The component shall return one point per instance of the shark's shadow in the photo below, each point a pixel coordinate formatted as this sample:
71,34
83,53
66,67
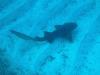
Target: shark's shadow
64,31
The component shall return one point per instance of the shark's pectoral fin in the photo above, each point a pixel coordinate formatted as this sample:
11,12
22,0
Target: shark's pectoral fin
50,40
70,38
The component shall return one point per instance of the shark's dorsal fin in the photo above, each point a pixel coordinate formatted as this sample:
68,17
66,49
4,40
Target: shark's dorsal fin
58,26
45,32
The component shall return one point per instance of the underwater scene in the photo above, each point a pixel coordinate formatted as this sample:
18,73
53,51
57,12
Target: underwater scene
49,37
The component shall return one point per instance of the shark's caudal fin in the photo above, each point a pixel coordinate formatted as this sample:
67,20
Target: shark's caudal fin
21,35
26,37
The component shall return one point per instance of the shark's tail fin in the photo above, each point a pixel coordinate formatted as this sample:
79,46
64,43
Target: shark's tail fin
26,37
21,35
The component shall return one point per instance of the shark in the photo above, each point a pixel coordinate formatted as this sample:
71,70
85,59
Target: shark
64,31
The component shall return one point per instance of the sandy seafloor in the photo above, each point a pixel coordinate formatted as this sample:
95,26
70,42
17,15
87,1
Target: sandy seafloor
33,17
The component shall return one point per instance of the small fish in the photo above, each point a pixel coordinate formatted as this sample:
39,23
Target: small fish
61,31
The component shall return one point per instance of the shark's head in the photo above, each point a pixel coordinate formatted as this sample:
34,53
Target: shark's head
66,26
70,26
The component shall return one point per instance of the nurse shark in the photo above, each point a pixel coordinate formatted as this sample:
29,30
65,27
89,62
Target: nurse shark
64,31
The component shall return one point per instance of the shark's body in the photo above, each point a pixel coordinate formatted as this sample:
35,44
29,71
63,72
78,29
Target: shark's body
61,32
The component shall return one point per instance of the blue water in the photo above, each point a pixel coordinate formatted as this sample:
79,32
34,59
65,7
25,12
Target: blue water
32,18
